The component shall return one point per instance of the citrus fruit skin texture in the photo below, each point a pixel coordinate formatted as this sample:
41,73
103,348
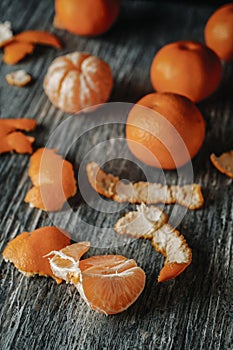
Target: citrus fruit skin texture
167,139
187,68
27,251
86,17
77,81
219,32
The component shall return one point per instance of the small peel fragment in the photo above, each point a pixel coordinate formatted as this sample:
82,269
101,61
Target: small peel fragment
16,51
224,163
13,140
150,223
27,251
110,186
38,37
53,180
5,33
18,78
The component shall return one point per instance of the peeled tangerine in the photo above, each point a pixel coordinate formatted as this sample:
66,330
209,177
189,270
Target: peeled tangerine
78,80
109,284
151,223
27,251
53,180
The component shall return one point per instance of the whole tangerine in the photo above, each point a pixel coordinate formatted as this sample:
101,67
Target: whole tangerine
86,17
165,130
219,32
187,68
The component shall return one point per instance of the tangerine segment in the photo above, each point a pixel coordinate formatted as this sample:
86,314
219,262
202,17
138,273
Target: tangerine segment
27,251
38,37
146,223
170,70
77,81
111,284
224,163
165,130
219,32
65,263
16,51
53,180
110,186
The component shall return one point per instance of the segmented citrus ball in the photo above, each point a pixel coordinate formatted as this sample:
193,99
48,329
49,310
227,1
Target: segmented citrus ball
78,80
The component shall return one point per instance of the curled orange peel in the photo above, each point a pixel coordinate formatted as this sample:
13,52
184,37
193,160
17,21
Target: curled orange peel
110,186
151,223
13,140
38,37
16,51
224,163
27,251
53,180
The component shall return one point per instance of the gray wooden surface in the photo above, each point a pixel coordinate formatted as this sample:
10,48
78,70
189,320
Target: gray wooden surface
195,311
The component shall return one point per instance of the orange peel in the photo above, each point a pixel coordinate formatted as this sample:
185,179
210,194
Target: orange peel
12,140
109,284
27,251
16,51
6,34
38,37
151,223
18,78
110,186
53,180
224,163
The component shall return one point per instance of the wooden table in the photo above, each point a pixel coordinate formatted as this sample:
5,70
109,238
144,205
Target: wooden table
195,310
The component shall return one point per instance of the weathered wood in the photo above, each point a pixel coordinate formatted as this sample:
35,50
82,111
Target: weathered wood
195,311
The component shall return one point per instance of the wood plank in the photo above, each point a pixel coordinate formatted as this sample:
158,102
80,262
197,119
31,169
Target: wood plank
192,312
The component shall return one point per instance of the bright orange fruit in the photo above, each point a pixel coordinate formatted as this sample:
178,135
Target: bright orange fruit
169,138
219,32
86,17
187,68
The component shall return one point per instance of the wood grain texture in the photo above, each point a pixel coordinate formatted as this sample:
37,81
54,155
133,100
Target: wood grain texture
195,311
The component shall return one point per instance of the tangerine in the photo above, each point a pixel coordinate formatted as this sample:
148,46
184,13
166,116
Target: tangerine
219,32
77,81
187,68
86,17
165,130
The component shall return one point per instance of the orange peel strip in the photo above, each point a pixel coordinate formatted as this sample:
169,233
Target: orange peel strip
149,222
27,251
14,52
110,186
11,140
38,37
109,284
224,163
53,180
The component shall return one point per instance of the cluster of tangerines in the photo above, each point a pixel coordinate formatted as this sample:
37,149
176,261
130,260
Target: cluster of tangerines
182,73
